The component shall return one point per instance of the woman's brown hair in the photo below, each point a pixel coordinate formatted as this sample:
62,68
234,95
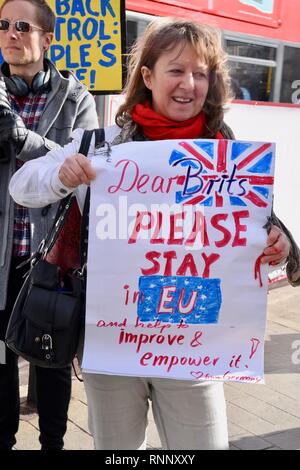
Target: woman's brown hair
162,35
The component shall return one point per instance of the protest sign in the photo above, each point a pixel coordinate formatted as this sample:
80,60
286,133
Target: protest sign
175,285
89,39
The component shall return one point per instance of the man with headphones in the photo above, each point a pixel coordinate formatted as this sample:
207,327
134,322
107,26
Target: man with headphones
39,109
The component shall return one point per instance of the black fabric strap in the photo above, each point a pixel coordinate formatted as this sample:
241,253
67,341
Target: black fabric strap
84,230
99,138
86,142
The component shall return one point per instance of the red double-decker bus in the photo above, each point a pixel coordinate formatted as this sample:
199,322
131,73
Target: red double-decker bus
262,38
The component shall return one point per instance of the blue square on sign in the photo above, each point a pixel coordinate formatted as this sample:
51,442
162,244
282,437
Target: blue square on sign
173,299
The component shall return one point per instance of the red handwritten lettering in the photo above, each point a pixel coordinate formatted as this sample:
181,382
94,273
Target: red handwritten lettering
209,260
155,238
143,180
227,225
127,164
150,359
240,228
157,324
226,234
102,323
141,225
190,304
199,228
174,229
143,339
166,295
188,265
169,256
131,178
151,256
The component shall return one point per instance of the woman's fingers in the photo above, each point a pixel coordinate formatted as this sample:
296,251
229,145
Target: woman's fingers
277,248
76,170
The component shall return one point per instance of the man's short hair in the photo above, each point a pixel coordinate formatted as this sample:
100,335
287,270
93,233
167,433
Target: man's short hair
46,17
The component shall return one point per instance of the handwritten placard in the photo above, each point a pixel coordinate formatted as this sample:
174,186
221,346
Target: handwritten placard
175,285
88,41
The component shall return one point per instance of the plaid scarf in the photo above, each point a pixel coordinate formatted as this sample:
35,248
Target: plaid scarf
30,109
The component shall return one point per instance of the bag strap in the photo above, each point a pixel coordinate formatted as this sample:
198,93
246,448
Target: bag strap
84,229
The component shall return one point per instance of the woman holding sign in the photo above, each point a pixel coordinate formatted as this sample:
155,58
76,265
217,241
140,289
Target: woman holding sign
177,88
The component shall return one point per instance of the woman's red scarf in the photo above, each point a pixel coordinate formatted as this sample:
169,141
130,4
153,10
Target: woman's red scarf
158,127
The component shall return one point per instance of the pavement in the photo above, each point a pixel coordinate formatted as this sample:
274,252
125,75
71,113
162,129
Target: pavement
260,417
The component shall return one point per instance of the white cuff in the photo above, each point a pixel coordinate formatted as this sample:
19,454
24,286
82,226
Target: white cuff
58,187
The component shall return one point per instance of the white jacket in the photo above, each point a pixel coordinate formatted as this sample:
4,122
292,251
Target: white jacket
37,184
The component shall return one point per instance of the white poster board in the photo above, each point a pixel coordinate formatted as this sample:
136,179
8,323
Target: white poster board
175,288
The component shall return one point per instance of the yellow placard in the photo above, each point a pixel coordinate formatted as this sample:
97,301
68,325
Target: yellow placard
88,41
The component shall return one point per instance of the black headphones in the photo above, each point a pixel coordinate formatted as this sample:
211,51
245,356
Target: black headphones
17,86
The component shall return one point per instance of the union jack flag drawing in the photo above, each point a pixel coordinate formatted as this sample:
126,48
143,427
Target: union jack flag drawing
221,171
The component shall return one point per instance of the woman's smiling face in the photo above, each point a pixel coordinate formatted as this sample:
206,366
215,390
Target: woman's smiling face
179,83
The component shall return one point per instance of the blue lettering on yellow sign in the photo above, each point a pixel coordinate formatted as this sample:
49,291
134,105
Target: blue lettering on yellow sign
83,8
78,21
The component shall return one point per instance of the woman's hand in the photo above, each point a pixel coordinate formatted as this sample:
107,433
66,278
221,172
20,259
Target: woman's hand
277,249
76,170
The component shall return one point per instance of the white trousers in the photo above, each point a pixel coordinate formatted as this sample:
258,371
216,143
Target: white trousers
188,414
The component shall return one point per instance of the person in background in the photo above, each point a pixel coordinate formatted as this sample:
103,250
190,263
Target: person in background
239,92
177,87
39,109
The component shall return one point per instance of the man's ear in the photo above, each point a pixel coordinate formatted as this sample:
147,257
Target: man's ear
146,74
48,40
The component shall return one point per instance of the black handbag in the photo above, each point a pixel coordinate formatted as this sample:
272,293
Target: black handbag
49,312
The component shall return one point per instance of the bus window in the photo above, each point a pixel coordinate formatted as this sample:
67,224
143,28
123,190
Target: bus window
131,33
247,49
254,83
135,26
252,69
290,82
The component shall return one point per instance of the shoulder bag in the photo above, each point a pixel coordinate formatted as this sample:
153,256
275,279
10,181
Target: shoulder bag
49,312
